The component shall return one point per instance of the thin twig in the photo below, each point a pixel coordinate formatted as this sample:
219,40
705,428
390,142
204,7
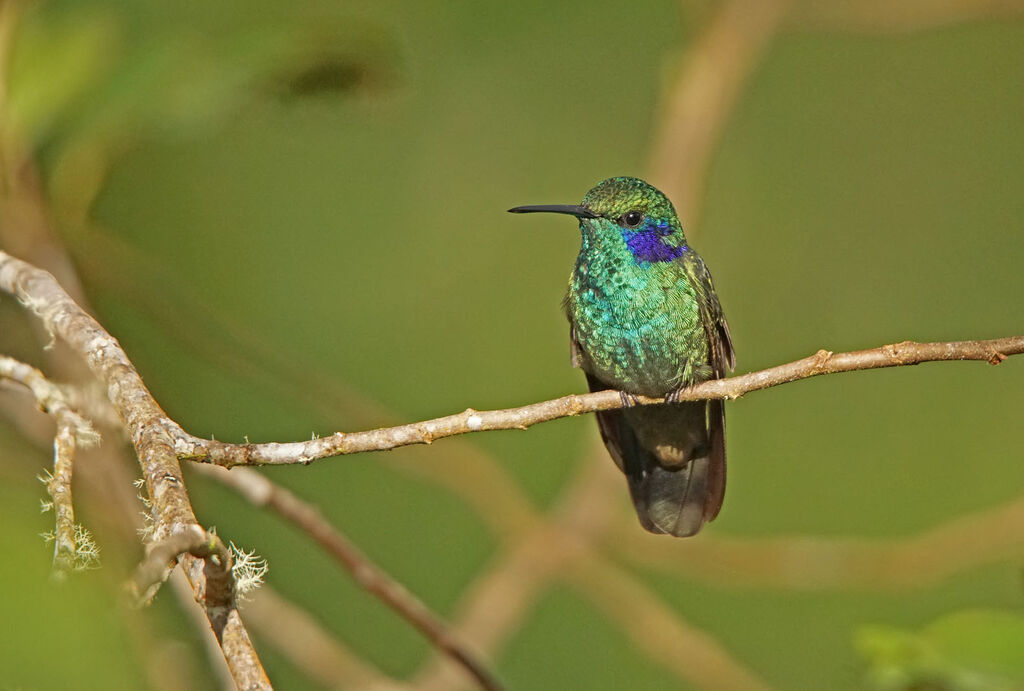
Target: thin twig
823,362
65,547
262,492
147,426
73,431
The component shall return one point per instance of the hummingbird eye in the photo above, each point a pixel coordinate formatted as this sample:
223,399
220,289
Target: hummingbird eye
632,219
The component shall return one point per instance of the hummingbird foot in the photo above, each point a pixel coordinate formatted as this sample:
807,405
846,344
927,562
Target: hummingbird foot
673,396
628,399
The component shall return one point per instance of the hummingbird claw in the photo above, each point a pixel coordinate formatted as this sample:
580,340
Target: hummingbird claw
628,399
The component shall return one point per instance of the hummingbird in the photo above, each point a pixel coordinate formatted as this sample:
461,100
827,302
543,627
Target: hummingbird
644,319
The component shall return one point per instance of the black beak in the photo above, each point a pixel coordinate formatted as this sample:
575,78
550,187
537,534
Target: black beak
577,211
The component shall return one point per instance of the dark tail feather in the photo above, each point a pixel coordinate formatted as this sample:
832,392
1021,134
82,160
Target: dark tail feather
675,500
716,439
672,500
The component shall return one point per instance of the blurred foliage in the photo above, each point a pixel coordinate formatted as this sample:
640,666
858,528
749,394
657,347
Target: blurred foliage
292,216
57,60
977,650
76,73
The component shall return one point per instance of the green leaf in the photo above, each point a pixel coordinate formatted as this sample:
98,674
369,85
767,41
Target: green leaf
972,650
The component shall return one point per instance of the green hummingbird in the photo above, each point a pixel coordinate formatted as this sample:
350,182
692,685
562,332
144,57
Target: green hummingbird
645,320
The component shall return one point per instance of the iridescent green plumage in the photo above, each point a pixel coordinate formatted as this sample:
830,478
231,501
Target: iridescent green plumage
645,320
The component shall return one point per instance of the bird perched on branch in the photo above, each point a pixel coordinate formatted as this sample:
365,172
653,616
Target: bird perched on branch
645,319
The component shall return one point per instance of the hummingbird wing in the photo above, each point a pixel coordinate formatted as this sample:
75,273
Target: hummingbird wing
715,326
574,347
721,356
609,422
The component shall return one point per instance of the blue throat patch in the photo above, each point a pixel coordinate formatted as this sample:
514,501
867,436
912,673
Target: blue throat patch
647,243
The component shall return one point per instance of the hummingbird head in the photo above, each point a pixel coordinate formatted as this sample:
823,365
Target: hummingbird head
626,211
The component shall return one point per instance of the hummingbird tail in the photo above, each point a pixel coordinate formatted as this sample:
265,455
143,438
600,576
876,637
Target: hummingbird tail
679,499
674,497
672,501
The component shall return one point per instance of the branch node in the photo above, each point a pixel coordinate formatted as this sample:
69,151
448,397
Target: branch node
996,357
822,357
161,557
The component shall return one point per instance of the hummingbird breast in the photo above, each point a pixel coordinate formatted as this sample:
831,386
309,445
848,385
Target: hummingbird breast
637,325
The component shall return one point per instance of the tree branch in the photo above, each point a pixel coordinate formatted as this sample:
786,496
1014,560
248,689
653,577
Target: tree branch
73,547
262,492
148,429
823,362
157,436
65,544
161,556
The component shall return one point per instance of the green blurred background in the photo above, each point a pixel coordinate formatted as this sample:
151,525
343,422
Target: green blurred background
292,216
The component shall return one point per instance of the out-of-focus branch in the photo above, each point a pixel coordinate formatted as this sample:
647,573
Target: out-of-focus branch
823,362
312,649
497,601
964,543
73,548
50,398
262,492
690,653
564,549
714,70
501,597
711,77
883,16
182,590
147,425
